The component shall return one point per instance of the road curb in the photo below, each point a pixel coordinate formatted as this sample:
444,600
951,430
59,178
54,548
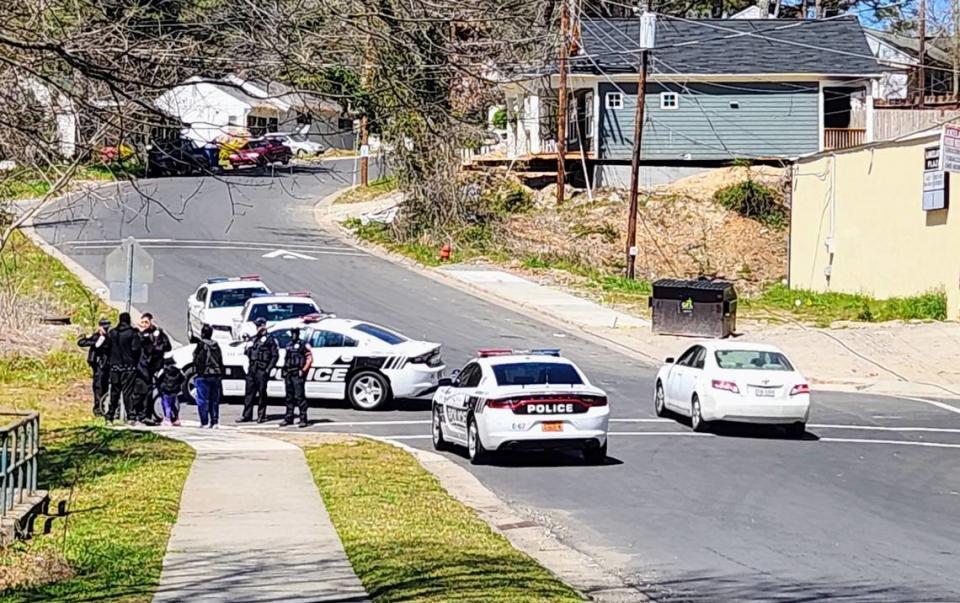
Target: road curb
573,567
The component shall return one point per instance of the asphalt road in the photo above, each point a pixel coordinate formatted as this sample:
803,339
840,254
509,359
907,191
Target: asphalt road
867,508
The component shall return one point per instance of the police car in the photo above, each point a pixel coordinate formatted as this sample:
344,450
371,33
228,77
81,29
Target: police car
274,308
219,302
506,400
352,359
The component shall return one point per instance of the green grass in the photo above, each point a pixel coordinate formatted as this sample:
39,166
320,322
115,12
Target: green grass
380,186
470,245
30,184
409,540
825,308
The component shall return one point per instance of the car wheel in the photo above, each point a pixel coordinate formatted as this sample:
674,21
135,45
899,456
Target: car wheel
796,430
659,403
190,385
475,449
595,456
368,390
437,430
189,329
301,153
696,416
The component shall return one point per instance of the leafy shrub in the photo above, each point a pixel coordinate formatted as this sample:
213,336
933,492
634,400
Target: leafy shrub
499,120
607,231
753,200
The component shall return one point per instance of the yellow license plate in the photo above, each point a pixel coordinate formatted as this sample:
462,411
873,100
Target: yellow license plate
553,426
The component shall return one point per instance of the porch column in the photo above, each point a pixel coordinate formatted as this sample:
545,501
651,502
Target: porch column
820,123
871,90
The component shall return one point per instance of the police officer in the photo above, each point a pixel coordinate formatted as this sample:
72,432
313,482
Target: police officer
263,353
154,344
297,360
124,342
98,357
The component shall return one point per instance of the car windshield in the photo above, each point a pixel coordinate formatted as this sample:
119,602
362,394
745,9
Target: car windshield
233,298
276,311
755,360
380,333
536,373
298,138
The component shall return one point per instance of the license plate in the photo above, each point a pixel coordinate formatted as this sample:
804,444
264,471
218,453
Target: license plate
765,393
553,426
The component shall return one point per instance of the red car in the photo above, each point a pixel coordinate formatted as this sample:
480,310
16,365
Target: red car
261,152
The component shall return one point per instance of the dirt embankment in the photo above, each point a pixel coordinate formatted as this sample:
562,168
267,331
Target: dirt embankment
681,231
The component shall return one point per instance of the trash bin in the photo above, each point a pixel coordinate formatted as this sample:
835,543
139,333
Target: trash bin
701,307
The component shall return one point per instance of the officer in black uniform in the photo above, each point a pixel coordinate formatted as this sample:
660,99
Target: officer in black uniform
98,357
124,343
154,344
297,360
263,354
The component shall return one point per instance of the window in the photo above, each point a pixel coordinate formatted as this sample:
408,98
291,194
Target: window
345,124
687,358
233,298
752,360
588,115
536,373
614,100
698,359
274,312
380,333
329,339
470,376
669,100
202,294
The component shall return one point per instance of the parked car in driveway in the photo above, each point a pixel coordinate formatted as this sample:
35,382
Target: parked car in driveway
261,152
179,157
298,144
734,381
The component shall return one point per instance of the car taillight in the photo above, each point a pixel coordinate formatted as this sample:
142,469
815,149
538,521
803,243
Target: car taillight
800,388
728,386
594,400
507,403
431,358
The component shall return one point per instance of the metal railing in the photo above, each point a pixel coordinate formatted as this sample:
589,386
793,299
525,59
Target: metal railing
843,138
19,449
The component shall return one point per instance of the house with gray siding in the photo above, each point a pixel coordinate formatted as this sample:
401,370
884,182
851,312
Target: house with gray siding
718,90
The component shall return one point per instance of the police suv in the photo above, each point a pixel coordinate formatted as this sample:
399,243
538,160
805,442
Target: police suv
506,400
273,308
352,359
219,302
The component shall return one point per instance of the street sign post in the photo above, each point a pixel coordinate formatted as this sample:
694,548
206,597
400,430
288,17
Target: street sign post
129,273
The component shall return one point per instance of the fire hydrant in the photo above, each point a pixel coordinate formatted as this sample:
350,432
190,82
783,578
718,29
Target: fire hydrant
445,252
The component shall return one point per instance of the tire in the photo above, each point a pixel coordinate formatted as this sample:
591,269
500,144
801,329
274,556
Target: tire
368,390
436,430
659,402
189,393
796,431
301,153
595,456
475,451
189,329
696,416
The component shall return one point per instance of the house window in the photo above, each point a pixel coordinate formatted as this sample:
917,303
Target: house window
669,100
614,100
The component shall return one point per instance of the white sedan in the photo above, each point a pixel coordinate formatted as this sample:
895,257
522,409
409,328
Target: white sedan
352,359
734,381
219,302
298,143
510,401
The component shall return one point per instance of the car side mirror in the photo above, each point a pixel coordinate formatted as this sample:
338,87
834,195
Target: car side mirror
445,382
671,360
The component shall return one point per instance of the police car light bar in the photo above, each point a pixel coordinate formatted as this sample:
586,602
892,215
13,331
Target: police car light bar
250,277
232,279
312,318
546,352
488,352
283,294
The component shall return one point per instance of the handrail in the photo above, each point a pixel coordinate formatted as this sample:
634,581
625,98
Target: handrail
19,451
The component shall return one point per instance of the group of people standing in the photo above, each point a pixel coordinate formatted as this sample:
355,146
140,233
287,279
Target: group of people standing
129,363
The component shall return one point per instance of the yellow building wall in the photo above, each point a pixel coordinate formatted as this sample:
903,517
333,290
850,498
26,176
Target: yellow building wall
884,245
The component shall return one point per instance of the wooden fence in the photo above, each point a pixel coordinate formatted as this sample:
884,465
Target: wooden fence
890,123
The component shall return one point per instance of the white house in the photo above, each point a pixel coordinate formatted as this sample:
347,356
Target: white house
214,109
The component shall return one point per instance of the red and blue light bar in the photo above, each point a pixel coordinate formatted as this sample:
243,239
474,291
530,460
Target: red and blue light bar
490,352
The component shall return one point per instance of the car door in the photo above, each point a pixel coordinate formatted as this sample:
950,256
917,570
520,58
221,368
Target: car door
690,374
676,376
195,306
332,354
456,401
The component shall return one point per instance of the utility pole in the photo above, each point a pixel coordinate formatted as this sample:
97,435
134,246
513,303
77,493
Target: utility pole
637,143
364,123
562,100
921,75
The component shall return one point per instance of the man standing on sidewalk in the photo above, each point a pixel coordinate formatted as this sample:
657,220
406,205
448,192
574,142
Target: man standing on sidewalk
297,360
208,364
155,344
263,354
124,342
98,357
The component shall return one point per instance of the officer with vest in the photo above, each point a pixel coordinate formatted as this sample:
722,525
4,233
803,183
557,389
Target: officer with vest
98,358
297,360
263,354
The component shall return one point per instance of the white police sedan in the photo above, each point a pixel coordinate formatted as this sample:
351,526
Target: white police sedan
364,363
734,381
219,302
525,400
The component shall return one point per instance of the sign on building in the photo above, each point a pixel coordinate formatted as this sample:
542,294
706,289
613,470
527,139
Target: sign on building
936,190
950,148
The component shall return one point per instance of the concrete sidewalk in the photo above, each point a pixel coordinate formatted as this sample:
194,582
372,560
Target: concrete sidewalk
252,527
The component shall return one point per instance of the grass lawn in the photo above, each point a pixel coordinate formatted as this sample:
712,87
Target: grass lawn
376,188
409,540
29,184
121,488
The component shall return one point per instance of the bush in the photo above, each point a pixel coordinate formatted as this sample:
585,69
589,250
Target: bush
753,200
499,120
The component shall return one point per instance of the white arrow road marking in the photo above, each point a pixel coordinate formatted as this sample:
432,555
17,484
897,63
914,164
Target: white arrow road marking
288,255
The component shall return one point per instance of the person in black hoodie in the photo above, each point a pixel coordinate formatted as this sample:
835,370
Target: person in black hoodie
124,342
154,344
208,364
98,357
170,383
